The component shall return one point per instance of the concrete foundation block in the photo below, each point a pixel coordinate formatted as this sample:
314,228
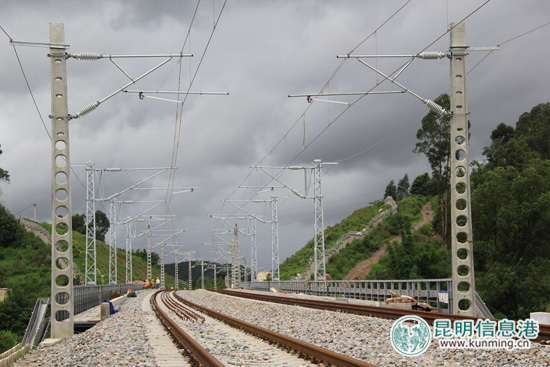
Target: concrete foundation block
541,317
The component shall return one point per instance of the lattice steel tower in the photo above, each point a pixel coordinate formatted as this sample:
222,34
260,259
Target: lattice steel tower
112,242
274,240
90,263
149,268
235,259
318,225
129,252
253,251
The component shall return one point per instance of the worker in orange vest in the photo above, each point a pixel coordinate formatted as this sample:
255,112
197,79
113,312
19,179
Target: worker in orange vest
147,284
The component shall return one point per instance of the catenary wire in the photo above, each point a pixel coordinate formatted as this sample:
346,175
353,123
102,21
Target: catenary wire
351,104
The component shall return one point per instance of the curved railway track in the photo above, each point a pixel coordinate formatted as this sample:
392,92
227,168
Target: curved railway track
382,312
200,355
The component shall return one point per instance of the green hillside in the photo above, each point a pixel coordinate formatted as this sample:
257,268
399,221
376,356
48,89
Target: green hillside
139,265
419,243
25,269
510,207
355,222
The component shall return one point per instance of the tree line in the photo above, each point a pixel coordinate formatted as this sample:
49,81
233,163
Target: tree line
510,202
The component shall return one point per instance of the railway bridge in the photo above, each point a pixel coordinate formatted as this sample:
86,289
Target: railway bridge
337,323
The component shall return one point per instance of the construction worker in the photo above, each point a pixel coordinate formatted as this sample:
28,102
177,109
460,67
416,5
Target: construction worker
147,284
158,282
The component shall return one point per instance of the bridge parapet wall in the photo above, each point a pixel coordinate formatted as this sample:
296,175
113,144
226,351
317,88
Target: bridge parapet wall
37,229
423,290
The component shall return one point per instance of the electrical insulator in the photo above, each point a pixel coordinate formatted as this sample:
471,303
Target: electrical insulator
87,56
431,55
85,110
435,107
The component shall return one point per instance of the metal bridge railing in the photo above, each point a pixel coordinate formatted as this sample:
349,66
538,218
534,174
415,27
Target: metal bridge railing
425,290
88,296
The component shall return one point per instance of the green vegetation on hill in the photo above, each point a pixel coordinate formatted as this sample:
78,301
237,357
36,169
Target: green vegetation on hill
418,256
25,268
355,222
510,216
139,264
25,264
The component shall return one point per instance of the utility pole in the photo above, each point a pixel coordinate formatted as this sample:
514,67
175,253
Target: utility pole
244,266
90,266
176,273
112,243
202,274
62,300
463,292
149,267
34,212
235,259
253,251
318,225
215,278
274,240
190,275
461,214
128,252
162,265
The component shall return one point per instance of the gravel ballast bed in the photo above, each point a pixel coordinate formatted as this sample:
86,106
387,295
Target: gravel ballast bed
117,341
361,337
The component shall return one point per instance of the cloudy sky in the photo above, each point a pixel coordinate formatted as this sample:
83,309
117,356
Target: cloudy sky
259,52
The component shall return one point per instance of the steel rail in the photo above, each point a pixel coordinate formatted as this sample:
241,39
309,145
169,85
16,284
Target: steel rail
192,348
181,311
382,312
316,354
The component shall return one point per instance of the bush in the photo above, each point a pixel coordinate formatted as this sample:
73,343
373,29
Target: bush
8,340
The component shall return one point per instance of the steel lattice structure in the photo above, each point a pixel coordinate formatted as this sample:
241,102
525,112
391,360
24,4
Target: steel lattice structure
318,225
253,251
90,263
274,240
112,242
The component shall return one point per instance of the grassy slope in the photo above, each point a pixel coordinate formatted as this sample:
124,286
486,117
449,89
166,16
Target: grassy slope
359,250
355,222
139,266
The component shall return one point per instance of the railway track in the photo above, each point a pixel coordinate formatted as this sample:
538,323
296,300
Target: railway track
196,328
382,312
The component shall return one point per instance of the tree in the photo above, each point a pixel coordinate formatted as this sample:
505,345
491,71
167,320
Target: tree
510,212
391,190
529,140
403,187
11,232
535,126
4,175
79,223
422,185
143,254
102,224
434,141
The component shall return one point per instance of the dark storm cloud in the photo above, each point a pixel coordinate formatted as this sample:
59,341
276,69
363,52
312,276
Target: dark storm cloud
260,52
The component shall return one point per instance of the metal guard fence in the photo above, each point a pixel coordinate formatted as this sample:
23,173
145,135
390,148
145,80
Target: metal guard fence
425,290
88,296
